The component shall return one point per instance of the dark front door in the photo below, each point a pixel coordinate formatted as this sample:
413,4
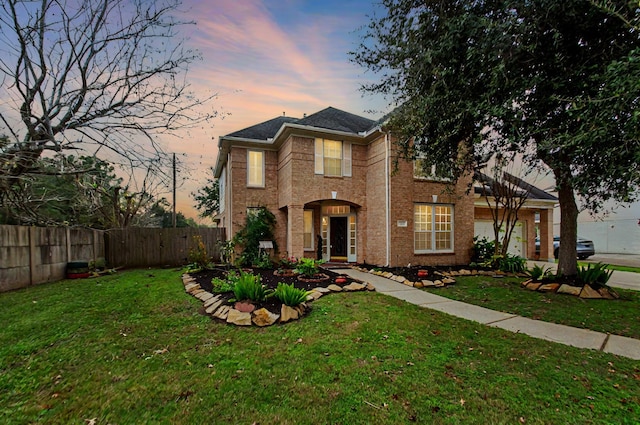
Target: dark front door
338,228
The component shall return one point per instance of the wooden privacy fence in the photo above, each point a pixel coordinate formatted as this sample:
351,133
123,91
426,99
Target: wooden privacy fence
149,247
32,255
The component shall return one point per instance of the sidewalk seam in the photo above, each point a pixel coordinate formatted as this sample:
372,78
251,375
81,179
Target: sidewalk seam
502,320
604,343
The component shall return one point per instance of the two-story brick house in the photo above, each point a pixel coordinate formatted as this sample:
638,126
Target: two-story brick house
335,175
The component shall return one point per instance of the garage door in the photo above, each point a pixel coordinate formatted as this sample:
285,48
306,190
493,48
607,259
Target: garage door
516,245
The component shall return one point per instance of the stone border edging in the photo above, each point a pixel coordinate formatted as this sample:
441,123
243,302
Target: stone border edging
214,304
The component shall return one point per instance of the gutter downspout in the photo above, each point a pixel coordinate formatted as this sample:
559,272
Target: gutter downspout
387,140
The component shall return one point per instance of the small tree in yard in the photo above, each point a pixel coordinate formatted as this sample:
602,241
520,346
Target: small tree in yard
505,194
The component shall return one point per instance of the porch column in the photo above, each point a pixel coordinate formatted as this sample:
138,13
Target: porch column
295,230
546,236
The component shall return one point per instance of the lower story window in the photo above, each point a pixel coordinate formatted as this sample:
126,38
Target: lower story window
308,230
433,228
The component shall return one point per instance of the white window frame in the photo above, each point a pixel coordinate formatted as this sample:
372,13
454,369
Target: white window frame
308,220
434,230
345,160
259,184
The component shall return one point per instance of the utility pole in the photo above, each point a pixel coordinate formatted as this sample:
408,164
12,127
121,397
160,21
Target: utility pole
174,191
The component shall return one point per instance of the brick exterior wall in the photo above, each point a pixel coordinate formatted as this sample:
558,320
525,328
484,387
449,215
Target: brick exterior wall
291,185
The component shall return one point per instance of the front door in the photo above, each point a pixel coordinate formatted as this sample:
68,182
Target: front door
338,229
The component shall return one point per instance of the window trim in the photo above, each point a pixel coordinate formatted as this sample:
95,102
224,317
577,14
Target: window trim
304,215
346,161
262,155
433,232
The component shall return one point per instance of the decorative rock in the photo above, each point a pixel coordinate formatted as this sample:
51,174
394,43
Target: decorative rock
210,301
335,288
388,275
210,309
370,287
239,318
474,272
321,290
549,287
245,306
428,283
195,292
533,286
314,295
418,285
288,313
301,308
222,312
204,295
606,294
526,282
191,286
438,283
354,286
264,317
569,289
448,281
589,293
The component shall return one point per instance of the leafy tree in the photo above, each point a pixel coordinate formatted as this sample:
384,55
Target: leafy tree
259,226
208,197
97,74
557,82
164,217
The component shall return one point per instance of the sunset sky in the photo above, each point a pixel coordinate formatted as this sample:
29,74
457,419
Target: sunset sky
266,58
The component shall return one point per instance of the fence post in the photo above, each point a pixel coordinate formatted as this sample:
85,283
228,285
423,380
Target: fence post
68,247
32,255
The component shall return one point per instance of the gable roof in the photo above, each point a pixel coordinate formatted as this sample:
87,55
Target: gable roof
330,122
335,119
264,130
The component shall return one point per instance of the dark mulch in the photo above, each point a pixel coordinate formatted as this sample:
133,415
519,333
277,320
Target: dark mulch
411,272
269,280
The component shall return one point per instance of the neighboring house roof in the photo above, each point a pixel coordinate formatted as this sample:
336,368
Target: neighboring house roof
532,192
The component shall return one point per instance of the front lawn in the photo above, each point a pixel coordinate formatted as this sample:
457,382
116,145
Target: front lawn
620,317
133,348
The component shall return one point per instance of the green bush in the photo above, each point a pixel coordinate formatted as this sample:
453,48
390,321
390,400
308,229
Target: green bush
221,285
198,255
290,295
539,273
510,263
483,251
596,276
259,226
308,266
248,287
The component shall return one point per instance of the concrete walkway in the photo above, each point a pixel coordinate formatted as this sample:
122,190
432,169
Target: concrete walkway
581,338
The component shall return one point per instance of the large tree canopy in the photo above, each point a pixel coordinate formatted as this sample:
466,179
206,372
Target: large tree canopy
105,75
557,82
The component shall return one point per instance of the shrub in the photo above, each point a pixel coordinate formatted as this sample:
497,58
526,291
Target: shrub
288,263
248,287
483,251
539,273
259,226
264,261
227,249
198,255
308,266
221,285
510,263
290,295
596,276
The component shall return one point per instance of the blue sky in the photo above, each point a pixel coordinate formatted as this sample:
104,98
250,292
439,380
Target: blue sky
266,58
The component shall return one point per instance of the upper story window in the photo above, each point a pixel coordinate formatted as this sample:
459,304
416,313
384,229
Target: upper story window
425,169
255,168
332,158
433,228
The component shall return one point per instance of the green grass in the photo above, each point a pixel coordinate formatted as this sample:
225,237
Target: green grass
612,267
132,348
620,317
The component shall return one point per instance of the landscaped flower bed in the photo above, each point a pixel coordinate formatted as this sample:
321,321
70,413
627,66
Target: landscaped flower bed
213,287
